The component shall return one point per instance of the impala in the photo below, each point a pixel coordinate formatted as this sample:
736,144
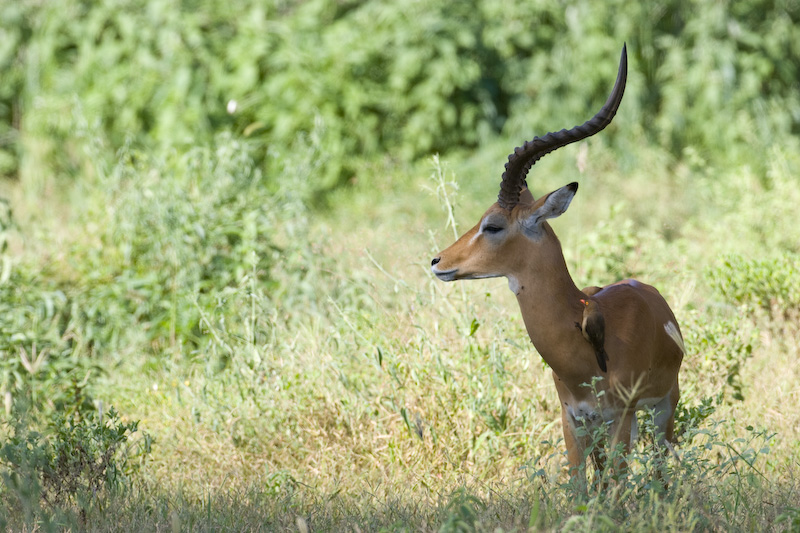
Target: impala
642,339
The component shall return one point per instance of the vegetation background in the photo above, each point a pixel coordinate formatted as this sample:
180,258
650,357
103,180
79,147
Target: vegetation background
216,225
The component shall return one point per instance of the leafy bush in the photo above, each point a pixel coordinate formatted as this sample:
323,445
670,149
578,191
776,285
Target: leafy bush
162,244
56,449
181,255
721,346
713,76
406,79
610,250
156,252
82,457
462,512
680,486
39,356
767,284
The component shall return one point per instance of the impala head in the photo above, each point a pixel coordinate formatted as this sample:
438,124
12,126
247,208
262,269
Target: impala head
515,228
499,244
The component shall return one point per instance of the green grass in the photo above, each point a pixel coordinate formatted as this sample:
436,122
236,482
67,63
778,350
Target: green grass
249,286
338,386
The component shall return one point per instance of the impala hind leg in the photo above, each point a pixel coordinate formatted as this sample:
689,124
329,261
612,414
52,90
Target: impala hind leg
664,422
620,441
664,417
669,424
575,448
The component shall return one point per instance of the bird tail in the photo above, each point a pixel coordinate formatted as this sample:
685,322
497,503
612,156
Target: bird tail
602,357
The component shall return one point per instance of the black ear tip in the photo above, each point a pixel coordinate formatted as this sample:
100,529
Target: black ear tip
573,186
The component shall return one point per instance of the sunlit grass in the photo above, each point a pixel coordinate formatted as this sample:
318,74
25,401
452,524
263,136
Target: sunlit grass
251,284
344,387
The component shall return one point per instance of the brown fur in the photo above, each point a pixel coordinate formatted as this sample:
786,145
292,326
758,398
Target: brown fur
645,360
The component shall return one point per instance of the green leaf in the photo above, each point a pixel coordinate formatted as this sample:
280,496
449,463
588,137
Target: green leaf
473,327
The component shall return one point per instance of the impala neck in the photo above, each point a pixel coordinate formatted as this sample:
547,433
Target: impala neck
550,305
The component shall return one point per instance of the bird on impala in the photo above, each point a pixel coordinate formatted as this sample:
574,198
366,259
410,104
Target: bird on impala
514,240
593,327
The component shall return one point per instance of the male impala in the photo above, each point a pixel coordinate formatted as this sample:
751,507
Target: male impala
642,338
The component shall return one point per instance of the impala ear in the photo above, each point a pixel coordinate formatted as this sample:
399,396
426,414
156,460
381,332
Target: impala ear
549,206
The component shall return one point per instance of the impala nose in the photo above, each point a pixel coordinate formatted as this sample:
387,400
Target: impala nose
435,261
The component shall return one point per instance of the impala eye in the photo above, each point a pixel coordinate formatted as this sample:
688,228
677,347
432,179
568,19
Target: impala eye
492,229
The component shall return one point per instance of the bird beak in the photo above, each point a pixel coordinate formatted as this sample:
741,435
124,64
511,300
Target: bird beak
584,302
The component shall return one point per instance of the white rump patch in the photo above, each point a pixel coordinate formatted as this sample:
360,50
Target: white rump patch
674,334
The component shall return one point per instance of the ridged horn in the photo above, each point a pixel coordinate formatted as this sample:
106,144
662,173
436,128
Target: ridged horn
523,158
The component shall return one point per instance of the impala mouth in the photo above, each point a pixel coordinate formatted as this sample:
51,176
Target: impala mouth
453,275
445,275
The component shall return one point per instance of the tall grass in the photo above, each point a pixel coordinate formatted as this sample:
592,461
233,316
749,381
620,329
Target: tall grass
340,386
276,352
293,368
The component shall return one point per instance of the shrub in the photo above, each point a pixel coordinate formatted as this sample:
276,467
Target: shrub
37,354
610,250
767,284
165,231
406,79
82,457
721,345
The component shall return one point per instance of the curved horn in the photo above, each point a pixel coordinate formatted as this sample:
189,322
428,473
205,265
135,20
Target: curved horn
523,158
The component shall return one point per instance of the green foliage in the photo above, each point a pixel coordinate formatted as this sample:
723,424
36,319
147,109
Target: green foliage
40,352
680,488
77,462
417,78
720,346
701,60
768,284
184,273
162,250
164,244
6,225
690,418
792,518
463,511
382,77
677,487
610,249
